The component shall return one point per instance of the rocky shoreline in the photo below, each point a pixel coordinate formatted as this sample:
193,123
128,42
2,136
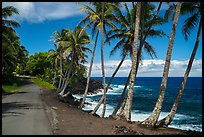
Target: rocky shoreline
73,121
79,87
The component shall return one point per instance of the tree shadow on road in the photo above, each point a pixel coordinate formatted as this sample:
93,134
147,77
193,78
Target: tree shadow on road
14,108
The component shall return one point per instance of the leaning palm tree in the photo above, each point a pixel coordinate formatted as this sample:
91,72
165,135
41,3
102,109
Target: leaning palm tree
194,8
61,39
126,114
76,47
126,36
7,25
143,42
54,53
9,38
98,17
125,33
107,17
152,119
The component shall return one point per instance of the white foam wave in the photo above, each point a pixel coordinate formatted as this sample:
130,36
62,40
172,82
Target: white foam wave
188,127
123,86
137,115
93,104
77,96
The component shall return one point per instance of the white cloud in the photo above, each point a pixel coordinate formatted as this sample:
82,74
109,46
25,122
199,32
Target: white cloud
149,68
36,12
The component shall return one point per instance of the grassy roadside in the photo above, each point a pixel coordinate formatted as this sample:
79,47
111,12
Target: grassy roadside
12,86
44,84
10,89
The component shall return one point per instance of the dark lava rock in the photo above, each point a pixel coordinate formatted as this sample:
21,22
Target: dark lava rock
122,130
79,87
69,99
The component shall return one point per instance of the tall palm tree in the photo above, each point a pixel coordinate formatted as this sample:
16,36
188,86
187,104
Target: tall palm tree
128,105
99,17
194,8
61,40
152,119
149,49
126,36
8,25
10,40
54,53
76,46
89,72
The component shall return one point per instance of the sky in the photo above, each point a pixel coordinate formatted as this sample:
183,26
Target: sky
40,19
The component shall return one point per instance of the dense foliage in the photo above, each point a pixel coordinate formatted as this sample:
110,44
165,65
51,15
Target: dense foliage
42,65
13,53
63,66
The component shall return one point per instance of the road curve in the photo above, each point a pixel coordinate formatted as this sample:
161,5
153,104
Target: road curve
23,113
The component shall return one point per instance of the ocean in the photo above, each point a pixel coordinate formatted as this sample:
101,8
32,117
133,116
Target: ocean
146,91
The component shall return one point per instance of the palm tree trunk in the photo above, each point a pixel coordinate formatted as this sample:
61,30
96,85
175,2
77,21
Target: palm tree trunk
152,119
121,97
89,73
167,120
110,81
116,70
59,85
67,79
55,74
137,64
64,79
142,40
102,60
126,113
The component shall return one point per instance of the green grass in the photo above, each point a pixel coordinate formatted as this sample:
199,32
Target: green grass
43,84
9,89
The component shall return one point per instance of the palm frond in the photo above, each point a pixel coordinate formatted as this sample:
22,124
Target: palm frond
117,46
150,50
10,23
188,7
9,11
189,25
168,12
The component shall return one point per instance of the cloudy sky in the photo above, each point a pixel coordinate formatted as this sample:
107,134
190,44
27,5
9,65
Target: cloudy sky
40,19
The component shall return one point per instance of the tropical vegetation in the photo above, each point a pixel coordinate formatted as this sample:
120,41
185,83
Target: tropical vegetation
64,65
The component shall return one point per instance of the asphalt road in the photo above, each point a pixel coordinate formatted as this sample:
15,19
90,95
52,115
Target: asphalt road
23,113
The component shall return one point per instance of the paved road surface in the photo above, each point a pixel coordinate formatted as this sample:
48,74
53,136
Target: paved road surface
23,113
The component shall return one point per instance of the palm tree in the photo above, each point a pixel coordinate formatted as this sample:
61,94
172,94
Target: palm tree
89,73
127,109
61,40
10,40
147,47
7,25
76,46
54,53
195,9
152,119
98,17
126,36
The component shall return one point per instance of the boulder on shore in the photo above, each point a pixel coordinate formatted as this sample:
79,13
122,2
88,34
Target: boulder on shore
79,87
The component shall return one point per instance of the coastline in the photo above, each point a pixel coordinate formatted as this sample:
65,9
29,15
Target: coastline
73,121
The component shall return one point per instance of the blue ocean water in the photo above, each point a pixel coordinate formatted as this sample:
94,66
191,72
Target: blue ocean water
146,91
